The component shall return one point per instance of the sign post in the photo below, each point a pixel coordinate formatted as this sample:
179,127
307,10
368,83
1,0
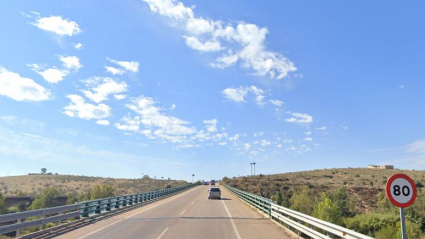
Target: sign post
401,191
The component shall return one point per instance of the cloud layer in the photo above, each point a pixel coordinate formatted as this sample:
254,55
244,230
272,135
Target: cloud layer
243,42
20,88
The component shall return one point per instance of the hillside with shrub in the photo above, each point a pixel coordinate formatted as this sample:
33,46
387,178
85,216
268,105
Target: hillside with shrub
353,198
32,185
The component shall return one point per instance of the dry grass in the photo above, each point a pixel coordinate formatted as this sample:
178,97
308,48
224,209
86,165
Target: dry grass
34,184
362,184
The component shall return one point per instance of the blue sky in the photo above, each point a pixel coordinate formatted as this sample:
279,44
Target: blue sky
170,88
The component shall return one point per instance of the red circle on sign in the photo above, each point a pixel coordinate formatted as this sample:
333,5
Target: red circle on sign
390,196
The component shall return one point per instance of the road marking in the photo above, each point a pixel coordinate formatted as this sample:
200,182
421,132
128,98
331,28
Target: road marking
135,214
192,203
182,212
159,204
99,229
231,220
162,234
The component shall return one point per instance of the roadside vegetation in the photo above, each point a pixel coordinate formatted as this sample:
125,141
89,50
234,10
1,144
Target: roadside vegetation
352,198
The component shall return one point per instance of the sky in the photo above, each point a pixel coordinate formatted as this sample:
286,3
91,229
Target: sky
171,88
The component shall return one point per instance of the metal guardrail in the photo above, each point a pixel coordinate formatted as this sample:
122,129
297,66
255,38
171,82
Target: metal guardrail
302,223
262,203
41,217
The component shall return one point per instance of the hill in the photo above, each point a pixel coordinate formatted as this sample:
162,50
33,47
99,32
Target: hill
362,184
34,184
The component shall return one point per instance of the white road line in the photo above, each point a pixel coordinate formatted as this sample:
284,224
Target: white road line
182,212
192,203
135,214
159,204
162,234
99,229
231,220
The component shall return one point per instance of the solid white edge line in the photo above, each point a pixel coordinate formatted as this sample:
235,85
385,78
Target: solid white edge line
134,214
162,234
231,220
99,229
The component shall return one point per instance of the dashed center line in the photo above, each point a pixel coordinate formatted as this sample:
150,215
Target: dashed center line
192,203
182,212
162,234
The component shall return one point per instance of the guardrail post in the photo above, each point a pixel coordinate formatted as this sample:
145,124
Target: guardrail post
18,231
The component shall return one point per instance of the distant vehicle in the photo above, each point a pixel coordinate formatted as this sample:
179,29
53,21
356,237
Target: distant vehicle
212,182
214,193
206,183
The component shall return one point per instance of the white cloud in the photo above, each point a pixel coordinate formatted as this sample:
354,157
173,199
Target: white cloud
101,87
247,146
401,87
79,108
173,106
19,88
235,94
132,66
79,46
234,138
55,75
300,118
307,133
170,8
211,125
321,128
308,139
246,40
156,125
265,143
58,25
222,143
103,122
120,97
277,103
114,71
199,26
71,62
208,46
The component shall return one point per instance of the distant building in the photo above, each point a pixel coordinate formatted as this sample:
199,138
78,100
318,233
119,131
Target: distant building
381,167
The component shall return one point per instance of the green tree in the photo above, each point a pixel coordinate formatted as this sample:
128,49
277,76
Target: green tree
48,198
328,211
303,201
340,198
71,198
413,231
102,191
3,208
384,204
277,197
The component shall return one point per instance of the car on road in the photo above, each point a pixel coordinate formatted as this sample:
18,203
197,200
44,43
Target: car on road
214,192
212,182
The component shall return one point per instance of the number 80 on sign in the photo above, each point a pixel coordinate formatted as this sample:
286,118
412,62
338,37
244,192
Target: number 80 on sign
401,190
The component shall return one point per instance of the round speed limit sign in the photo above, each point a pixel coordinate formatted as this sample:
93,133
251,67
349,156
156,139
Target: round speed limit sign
401,190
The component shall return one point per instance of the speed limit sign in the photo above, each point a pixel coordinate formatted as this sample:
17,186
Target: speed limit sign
401,190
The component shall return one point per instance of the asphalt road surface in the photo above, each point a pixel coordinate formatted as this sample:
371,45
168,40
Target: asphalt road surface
188,215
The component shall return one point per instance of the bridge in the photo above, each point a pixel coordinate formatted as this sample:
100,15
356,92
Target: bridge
177,213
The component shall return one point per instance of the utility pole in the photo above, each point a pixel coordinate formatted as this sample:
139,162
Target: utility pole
254,167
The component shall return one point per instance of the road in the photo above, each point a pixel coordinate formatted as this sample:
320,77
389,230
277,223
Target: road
183,216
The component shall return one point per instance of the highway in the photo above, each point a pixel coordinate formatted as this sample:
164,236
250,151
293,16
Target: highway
183,216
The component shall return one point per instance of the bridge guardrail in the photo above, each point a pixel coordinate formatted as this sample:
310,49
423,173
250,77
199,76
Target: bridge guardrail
300,222
86,209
